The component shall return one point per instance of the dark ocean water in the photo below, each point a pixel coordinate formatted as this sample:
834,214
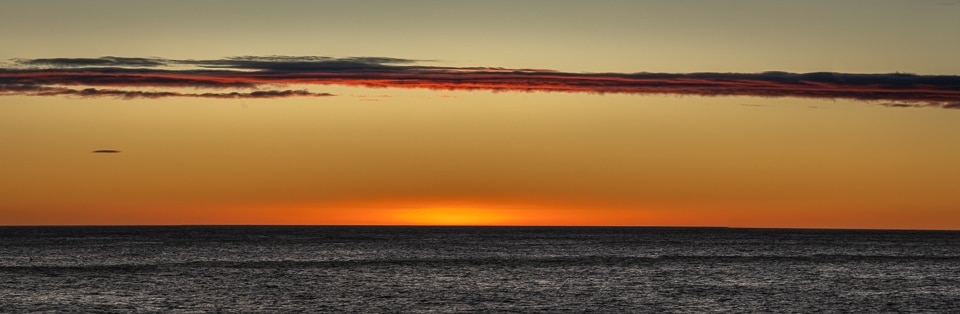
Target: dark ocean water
475,269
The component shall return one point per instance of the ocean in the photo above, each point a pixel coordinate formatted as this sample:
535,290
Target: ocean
203,269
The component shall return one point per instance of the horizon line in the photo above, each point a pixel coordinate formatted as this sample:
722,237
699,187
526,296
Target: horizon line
476,226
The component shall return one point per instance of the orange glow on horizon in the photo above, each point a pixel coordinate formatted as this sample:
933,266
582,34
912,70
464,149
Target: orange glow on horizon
461,214
451,216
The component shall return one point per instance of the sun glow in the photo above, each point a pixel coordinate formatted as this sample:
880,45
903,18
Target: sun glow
452,216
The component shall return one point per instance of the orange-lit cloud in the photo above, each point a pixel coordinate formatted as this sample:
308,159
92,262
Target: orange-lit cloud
31,76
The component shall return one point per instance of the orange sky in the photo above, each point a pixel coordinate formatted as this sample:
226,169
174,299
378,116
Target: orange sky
376,152
491,215
427,157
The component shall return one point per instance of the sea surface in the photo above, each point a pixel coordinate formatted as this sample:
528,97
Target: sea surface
199,269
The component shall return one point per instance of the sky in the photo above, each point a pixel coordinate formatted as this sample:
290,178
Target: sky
806,114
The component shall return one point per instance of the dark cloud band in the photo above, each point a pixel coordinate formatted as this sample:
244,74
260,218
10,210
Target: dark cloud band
256,72
33,90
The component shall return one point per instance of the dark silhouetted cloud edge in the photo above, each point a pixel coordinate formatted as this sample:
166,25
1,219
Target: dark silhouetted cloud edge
125,77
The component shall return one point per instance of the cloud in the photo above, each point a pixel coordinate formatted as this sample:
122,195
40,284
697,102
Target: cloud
86,62
254,72
263,63
34,90
942,105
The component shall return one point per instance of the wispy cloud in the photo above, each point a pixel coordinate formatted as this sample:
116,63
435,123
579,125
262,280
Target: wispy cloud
944,105
35,90
47,76
103,61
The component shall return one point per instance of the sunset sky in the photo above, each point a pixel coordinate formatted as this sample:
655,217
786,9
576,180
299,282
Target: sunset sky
811,114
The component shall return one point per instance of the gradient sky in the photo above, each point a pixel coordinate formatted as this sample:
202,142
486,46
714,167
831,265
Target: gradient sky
436,156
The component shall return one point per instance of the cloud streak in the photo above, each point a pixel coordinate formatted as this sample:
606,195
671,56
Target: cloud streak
57,76
33,90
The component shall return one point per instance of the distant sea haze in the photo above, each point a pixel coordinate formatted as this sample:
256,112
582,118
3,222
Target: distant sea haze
476,269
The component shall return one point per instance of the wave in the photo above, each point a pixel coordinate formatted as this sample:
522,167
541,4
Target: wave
486,261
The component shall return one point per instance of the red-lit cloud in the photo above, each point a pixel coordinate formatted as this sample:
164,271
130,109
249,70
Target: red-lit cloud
44,76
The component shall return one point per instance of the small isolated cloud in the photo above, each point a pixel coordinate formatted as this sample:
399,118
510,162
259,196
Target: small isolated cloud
126,77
